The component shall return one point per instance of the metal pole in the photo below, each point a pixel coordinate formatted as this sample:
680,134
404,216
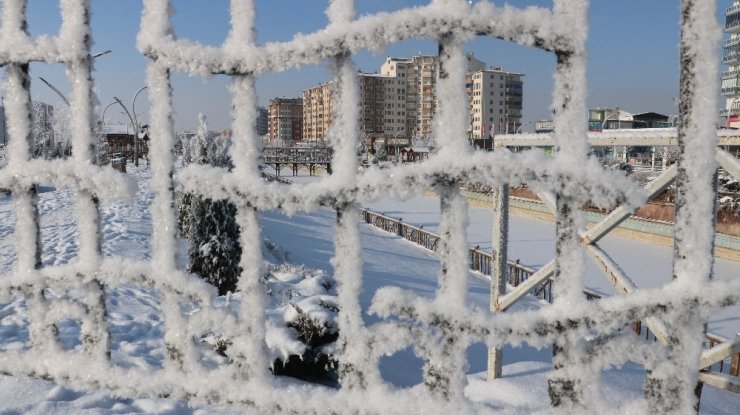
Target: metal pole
603,124
519,130
106,109
55,90
132,123
136,127
498,268
5,134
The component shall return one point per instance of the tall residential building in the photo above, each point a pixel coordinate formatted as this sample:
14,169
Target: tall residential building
400,102
317,111
421,74
381,113
730,85
262,121
495,102
285,119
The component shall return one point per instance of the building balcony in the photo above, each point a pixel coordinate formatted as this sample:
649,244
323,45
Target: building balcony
732,26
730,74
732,10
732,42
731,59
730,90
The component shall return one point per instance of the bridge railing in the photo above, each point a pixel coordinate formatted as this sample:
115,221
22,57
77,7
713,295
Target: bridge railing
517,274
321,155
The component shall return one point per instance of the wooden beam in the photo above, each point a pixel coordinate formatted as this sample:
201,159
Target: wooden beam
719,352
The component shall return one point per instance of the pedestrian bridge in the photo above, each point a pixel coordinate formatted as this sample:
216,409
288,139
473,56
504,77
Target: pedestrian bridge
311,158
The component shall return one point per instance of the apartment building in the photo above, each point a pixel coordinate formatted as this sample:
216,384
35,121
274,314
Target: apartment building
421,73
262,121
731,58
400,102
495,102
381,113
317,112
285,119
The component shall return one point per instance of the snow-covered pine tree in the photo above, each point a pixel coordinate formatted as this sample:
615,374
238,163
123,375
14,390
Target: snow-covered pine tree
210,225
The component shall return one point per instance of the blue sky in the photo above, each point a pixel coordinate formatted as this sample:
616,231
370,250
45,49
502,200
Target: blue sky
633,54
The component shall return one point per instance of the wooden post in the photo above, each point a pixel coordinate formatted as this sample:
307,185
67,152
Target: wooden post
735,365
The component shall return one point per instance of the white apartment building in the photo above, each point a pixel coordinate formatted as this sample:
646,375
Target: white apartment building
420,73
730,84
495,98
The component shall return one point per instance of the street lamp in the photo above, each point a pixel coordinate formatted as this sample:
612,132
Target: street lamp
519,130
55,90
134,122
398,153
603,124
102,119
97,55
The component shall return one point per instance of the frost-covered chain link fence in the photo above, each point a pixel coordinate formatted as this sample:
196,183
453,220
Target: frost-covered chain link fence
585,334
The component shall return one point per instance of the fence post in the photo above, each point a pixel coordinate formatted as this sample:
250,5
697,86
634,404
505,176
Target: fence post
498,267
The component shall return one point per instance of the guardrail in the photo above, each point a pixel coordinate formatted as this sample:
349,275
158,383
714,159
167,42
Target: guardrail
733,368
479,260
517,274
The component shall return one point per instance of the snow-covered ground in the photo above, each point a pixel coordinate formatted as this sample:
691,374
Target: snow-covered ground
306,238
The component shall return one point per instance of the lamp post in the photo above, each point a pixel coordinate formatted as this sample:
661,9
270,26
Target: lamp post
519,130
2,129
55,90
398,153
106,109
603,124
94,56
99,54
134,122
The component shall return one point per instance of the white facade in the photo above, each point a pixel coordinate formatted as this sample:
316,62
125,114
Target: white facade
495,102
421,73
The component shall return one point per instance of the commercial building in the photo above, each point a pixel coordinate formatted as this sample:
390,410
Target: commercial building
731,58
495,102
285,119
609,119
